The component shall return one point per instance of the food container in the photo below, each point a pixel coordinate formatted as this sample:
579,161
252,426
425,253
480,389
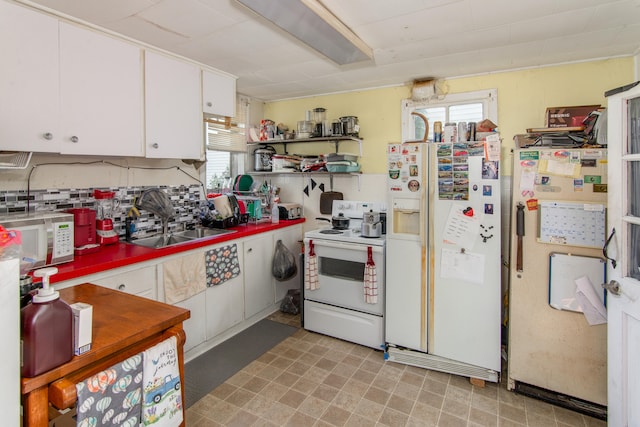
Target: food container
350,125
341,157
305,129
284,163
338,167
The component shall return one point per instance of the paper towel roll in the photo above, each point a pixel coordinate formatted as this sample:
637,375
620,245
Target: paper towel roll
223,206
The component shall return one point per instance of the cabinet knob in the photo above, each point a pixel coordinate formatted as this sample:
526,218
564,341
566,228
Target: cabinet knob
74,138
209,104
48,136
249,250
155,145
121,287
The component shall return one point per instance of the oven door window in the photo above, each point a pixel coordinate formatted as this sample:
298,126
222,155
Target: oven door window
341,269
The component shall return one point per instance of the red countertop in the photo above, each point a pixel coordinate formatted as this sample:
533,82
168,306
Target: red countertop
123,254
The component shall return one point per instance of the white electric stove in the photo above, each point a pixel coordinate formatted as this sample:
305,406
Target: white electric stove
338,307
354,210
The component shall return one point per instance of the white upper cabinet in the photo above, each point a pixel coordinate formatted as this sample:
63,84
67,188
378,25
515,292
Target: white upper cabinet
218,94
173,120
100,94
29,113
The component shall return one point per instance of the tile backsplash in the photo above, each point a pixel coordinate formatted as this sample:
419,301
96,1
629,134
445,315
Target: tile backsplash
186,201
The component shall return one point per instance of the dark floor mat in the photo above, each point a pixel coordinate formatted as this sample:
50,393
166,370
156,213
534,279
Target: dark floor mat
206,372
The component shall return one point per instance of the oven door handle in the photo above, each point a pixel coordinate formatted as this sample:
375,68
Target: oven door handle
349,246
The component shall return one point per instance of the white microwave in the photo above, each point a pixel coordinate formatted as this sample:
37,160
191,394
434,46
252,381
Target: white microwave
47,238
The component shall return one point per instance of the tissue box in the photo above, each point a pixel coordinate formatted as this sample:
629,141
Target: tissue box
82,327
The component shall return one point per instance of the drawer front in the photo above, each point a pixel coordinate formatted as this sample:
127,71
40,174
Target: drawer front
140,282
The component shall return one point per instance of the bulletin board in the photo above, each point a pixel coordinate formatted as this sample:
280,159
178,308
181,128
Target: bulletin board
564,269
572,223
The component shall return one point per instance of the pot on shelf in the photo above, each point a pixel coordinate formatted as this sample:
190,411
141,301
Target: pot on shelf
262,157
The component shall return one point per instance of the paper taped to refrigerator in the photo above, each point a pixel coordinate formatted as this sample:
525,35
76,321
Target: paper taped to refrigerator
467,266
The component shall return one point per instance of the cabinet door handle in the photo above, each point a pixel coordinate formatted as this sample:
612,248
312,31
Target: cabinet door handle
155,145
74,138
121,287
209,104
48,136
249,250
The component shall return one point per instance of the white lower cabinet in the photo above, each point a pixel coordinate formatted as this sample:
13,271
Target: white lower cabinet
224,306
259,291
195,326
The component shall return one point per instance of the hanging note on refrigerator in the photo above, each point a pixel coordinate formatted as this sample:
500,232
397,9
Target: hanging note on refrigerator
461,229
467,266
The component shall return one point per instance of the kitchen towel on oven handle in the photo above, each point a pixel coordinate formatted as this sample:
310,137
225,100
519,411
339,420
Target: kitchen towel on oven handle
370,279
311,270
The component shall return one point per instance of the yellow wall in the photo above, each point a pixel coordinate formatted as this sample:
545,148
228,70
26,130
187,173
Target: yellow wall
523,97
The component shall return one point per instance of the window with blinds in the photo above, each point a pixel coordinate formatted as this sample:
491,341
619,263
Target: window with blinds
226,141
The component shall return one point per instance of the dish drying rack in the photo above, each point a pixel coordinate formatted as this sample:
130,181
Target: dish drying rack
14,159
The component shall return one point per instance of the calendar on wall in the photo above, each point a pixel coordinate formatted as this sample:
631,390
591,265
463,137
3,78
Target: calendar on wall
572,223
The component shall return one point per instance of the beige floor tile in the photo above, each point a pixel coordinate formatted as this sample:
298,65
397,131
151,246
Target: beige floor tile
314,380
393,418
513,413
482,418
377,395
449,420
335,416
313,406
369,409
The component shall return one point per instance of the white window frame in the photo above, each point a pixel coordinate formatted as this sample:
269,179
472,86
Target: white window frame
488,98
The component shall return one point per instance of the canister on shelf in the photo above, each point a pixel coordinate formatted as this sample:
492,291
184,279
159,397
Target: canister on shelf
462,131
450,133
437,131
472,132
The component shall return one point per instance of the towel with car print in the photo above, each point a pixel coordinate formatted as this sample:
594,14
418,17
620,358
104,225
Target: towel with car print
162,395
112,397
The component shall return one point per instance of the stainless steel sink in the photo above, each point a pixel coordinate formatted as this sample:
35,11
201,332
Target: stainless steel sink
199,233
181,237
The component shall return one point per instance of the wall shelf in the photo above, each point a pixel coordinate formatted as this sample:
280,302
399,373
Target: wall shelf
331,139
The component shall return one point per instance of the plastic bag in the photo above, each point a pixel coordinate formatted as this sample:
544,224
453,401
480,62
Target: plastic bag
284,263
291,302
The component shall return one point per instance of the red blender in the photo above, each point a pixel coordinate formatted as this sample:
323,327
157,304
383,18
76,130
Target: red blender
106,205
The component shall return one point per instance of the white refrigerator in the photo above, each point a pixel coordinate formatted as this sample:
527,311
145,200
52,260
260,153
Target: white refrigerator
443,301
555,349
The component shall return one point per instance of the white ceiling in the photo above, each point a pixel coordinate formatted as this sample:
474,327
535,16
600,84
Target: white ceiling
410,38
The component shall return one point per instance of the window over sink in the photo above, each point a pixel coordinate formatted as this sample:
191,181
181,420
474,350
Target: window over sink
226,145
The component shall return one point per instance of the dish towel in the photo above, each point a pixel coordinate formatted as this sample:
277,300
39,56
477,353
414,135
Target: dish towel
221,264
161,397
183,278
370,279
112,397
311,270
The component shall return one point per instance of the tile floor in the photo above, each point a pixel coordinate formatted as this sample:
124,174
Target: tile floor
314,380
